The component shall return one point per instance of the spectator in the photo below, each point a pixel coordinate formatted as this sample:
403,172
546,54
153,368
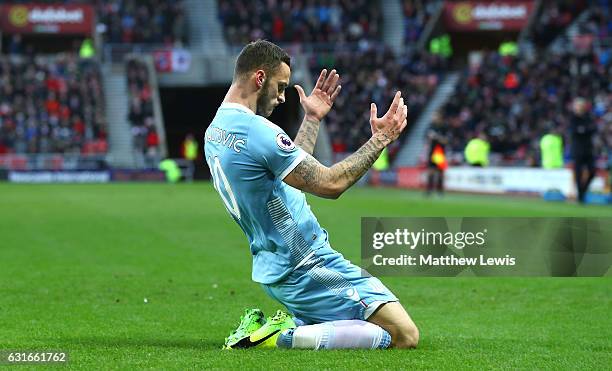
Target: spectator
416,15
515,100
299,21
134,21
372,75
553,18
582,128
51,105
141,116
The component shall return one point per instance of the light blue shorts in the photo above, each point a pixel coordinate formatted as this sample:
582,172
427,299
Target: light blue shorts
327,287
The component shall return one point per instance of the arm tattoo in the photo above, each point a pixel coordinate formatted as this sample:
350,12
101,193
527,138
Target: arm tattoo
320,180
309,173
307,135
351,169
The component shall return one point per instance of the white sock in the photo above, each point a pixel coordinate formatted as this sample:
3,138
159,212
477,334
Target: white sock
348,334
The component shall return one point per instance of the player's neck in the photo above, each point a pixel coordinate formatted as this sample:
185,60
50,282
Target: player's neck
237,94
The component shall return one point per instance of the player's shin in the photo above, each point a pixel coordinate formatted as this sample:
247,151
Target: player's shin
348,334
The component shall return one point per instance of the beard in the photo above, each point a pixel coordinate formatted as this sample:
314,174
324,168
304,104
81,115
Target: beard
265,101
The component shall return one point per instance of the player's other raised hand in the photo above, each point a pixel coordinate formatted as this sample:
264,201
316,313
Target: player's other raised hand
321,100
393,122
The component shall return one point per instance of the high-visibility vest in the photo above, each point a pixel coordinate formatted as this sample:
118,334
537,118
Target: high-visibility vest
508,48
87,49
551,148
172,170
191,149
477,152
382,163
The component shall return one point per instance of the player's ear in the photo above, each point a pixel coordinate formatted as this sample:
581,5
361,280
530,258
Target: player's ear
260,78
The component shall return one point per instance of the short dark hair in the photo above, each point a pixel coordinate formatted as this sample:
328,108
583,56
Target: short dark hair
260,54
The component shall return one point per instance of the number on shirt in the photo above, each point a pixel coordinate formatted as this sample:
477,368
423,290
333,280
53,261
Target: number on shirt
223,188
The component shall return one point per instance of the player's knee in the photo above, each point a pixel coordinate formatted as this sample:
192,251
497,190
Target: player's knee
406,338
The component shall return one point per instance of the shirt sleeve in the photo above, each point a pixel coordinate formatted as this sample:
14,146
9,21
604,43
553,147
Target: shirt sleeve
272,148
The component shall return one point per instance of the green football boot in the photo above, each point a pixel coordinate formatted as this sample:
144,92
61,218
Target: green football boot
252,320
265,337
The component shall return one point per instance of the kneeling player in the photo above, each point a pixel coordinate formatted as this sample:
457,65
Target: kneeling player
259,173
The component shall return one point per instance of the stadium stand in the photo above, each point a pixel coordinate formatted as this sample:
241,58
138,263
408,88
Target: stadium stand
296,21
51,105
553,18
373,75
133,21
369,72
416,15
516,100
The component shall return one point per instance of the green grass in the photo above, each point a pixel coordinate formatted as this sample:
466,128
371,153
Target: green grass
77,261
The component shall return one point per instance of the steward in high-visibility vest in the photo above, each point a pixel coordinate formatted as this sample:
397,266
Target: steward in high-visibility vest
551,148
382,163
508,48
477,152
190,148
441,45
87,49
172,170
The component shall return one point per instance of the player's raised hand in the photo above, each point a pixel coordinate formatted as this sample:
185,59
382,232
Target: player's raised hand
393,122
321,100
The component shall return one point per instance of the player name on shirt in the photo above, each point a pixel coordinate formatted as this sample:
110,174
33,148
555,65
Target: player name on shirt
226,138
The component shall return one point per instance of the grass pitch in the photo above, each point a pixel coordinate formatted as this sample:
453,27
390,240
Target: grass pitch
78,261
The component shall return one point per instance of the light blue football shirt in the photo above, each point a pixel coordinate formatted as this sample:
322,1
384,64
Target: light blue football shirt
249,157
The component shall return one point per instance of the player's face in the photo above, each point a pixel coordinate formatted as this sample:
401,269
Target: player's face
272,92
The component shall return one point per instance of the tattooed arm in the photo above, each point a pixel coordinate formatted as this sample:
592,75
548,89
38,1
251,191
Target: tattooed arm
316,106
313,177
307,136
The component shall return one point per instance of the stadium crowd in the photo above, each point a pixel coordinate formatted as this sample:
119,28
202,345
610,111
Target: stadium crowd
369,72
141,116
515,101
373,75
554,17
299,21
134,21
416,15
51,105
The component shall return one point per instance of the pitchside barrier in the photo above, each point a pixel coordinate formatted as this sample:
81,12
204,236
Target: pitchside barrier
493,180
83,176
77,168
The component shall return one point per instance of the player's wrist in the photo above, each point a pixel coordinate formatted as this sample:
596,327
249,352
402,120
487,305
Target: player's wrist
309,117
382,138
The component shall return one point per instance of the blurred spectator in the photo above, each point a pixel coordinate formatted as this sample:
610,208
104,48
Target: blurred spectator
582,128
141,116
16,45
553,18
189,148
416,15
137,21
477,151
515,101
298,21
51,105
374,75
551,149
437,163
